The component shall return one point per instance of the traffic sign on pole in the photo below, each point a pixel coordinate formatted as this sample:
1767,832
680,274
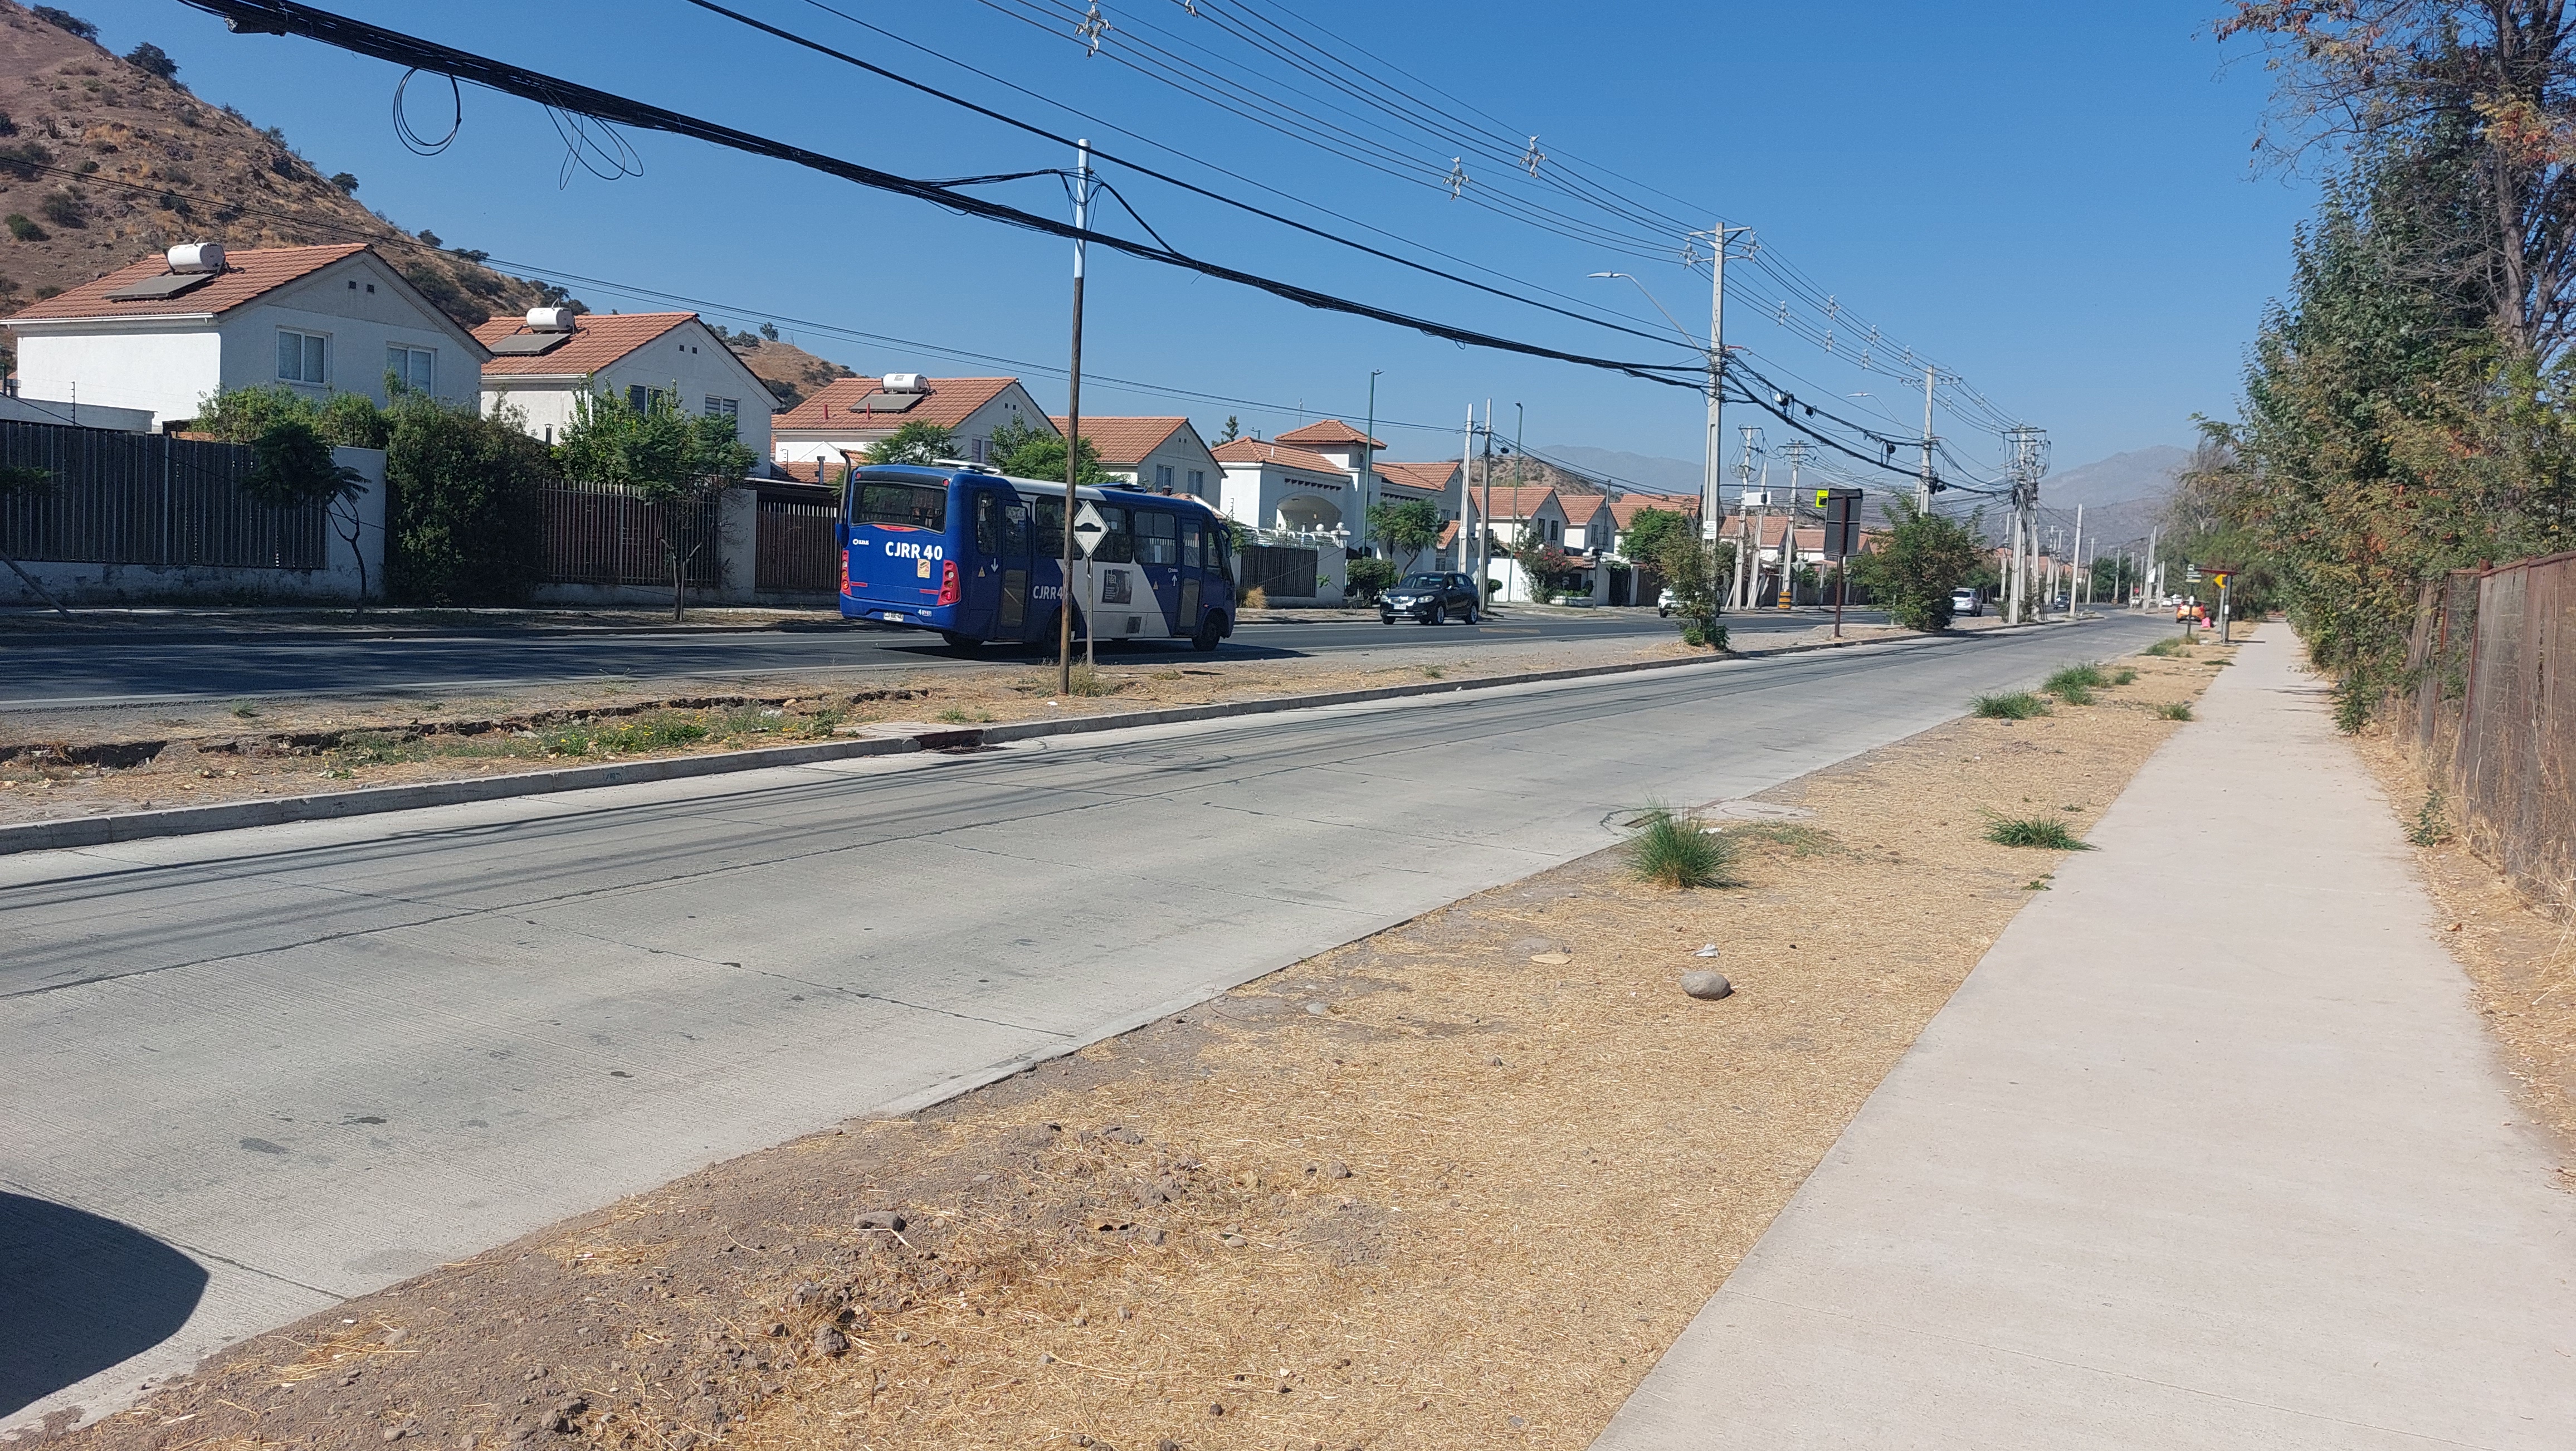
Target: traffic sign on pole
1088,529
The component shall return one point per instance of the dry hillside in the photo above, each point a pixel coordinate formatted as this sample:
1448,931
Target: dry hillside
790,371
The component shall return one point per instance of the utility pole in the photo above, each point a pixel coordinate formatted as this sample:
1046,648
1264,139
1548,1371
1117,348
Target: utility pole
1073,435
1467,497
1485,525
1712,512
2074,561
1368,463
2029,462
1750,554
1923,485
1796,449
2146,600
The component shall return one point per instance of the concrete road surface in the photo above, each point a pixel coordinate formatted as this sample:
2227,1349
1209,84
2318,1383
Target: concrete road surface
2211,1151
132,668
253,1072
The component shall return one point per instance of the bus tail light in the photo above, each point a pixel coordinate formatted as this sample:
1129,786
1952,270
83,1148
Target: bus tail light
845,569
948,582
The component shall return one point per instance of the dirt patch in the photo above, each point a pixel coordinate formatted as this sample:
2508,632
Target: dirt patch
1455,1185
88,762
2520,958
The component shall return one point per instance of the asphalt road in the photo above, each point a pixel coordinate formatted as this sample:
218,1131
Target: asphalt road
229,665
254,1072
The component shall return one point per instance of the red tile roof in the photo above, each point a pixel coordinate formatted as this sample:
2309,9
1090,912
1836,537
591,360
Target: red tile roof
1434,478
246,277
1581,508
598,339
1626,510
948,403
1124,442
1254,451
1330,432
1521,501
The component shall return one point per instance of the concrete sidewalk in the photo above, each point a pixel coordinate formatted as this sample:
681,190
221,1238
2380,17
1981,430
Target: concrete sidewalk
2210,1151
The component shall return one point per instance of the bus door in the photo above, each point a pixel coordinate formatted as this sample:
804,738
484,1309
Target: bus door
1193,575
1158,556
996,603
1046,566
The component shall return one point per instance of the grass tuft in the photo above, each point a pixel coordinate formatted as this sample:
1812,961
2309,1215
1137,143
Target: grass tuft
2045,832
1797,839
2076,683
2175,710
1089,681
960,715
2013,705
2168,648
2124,676
1672,850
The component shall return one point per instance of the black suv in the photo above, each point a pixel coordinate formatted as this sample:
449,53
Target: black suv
1434,599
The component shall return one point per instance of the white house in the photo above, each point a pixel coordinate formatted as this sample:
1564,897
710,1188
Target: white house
1165,455
1275,486
848,414
1624,512
164,334
543,361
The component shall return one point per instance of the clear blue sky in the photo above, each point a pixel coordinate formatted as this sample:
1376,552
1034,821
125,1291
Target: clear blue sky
2052,200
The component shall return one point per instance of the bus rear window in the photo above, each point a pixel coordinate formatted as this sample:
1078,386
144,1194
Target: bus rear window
914,506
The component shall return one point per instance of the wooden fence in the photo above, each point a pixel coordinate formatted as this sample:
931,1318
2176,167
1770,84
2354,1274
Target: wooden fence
2493,716
798,545
142,498
600,534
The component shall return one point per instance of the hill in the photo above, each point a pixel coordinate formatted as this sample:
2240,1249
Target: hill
2124,496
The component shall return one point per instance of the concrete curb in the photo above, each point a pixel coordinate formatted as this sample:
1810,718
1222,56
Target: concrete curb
82,831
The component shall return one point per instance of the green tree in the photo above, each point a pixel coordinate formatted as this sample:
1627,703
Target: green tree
291,467
1233,429
679,461
1026,451
1365,578
916,442
1409,527
1920,559
463,506
1696,575
152,60
1648,529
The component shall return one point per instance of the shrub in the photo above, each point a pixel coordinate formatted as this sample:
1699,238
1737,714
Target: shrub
22,159
1256,598
64,210
347,183
463,505
1088,681
2430,828
152,60
2174,710
2168,647
1919,560
2013,705
1672,850
62,19
1364,579
2353,702
1699,634
2076,683
24,228
2046,832
2124,676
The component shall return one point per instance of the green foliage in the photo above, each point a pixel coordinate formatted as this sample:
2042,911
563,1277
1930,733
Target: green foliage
152,60
1676,851
1695,574
343,420
24,479
2045,832
2174,710
1365,578
2354,696
2169,647
1649,531
916,442
659,453
291,467
24,228
2124,676
1919,560
2012,705
1025,451
1088,681
2430,827
61,19
462,505
2076,683
1407,528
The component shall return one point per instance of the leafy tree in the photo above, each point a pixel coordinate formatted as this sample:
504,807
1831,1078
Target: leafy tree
916,442
769,332
1409,527
1233,429
152,60
1920,559
1025,451
1365,578
1696,575
463,505
680,461
346,182
1647,532
63,19
241,415
291,467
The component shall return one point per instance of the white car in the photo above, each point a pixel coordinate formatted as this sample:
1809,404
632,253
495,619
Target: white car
1665,604
1967,602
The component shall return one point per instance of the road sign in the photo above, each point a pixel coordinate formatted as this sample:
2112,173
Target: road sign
1088,529
1842,521
2193,577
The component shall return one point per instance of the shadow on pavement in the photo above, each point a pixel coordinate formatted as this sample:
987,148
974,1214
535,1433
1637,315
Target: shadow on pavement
79,1294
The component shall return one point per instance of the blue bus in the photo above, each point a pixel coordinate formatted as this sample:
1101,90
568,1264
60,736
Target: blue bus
979,557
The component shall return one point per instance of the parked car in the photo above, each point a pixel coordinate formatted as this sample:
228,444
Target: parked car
1666,603
1434,599
1967,602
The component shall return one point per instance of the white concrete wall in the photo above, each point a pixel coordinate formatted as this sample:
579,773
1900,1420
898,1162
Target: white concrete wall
336,303
163,367
107,584
83,415
1254,493
1181,453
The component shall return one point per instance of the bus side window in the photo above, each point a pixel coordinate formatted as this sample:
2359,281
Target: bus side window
1050,526
1157,537
1193,541
992,528
1118,546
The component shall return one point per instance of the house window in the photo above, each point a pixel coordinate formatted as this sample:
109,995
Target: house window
728,409
1163,477
975,450
301,357
1198,483
643,399
415,368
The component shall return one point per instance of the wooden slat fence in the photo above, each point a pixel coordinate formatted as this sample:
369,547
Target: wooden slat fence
798,549
600,534
138,498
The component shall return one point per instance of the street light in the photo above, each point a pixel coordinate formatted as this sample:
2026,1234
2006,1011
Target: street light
1659,307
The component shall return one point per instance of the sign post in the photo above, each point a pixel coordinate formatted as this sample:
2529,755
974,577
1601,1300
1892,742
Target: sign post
1086,531
2222,575
1842,541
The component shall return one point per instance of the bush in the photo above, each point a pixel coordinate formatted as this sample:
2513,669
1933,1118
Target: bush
22,158
1672,850
2045,832
2355,696
2169,647
60,18
64,210
463,506
1365,578
1088,681
1918,561
24,228
152,60
2014,705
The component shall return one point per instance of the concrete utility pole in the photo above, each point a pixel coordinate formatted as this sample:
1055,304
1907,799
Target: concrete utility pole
1073,436
1467,496
1923,485
1485,534
2029,462
2074,561
1368,463
2147,600
1796,450
1749,551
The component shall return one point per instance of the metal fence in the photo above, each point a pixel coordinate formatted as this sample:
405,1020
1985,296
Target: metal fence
142,498
798,549
1279,573
600,534
2494,714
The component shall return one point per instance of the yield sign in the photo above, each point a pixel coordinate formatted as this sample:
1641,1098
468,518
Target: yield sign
1088,529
